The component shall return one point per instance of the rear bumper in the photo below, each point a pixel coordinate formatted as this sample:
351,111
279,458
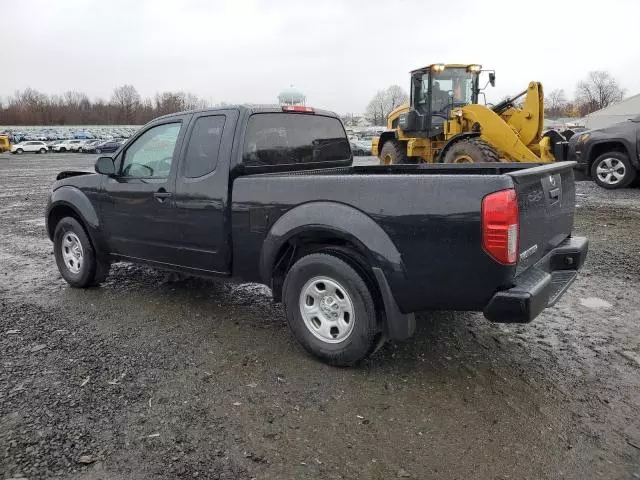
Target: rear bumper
540,286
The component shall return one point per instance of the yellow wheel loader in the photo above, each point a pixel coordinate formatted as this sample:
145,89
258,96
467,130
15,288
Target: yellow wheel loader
5,144
444,123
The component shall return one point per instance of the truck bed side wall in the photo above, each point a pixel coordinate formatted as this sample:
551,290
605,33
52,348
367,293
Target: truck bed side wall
433,220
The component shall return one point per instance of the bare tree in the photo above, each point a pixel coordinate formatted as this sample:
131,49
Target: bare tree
555,103
127,99
383,102
30,107
597,91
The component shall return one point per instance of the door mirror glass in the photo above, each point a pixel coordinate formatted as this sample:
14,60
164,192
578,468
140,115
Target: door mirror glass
492,79
105,166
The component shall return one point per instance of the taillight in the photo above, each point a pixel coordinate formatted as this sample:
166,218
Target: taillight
500,228
297,108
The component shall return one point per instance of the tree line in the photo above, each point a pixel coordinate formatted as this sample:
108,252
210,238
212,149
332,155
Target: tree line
598,90
125,107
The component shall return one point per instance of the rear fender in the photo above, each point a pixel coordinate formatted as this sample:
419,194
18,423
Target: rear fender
345,222
336,218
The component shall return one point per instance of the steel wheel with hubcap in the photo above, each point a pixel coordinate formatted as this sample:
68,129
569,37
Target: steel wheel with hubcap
72,252
613,170
330,309
327,309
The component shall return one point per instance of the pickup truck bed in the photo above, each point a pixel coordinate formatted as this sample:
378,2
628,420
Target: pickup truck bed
351,251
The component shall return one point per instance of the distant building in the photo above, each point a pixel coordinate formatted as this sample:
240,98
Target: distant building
292,96
628,108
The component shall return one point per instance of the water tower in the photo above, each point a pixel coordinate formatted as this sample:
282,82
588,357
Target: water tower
291,96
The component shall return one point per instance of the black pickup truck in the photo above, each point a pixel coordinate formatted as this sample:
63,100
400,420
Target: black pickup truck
270,195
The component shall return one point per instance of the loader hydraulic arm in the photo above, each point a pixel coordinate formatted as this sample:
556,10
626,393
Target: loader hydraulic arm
507,103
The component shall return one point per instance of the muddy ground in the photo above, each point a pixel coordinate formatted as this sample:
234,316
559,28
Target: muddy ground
146,377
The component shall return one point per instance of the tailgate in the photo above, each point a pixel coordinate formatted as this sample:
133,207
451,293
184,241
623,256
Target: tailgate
546,198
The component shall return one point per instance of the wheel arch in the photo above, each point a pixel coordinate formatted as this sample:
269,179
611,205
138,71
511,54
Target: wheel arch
338,229
384,138
609,145
70,201
456,138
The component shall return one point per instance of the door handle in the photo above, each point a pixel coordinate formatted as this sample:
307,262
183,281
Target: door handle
161,195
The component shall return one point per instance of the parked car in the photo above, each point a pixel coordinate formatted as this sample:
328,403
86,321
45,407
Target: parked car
609,155
360,147
109,146
29,146
350,259
64,145
86,144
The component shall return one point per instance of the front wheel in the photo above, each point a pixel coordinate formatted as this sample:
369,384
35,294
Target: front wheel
98,150
75,256
43,150
470,150
613,170
393,153
330,309
19,151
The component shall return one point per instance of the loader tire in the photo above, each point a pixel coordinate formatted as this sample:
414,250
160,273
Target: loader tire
470,150
393,153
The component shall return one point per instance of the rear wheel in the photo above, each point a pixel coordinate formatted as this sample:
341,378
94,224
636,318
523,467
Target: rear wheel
393,153
470,150
330,309
613,170
98,150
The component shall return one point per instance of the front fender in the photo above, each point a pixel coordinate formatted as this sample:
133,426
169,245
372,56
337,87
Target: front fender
628,146
72,198
339,219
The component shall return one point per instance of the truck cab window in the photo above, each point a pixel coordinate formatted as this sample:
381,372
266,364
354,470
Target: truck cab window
151,154
204,143
289,138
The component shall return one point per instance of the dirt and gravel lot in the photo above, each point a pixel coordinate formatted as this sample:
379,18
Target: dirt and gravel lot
153,377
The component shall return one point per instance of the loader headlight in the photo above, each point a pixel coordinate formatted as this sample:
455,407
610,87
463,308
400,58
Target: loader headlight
438,67
474,68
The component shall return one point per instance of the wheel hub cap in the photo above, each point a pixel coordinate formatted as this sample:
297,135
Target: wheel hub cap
327,309
611,171
72,253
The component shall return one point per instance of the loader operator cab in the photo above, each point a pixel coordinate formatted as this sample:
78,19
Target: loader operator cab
435,91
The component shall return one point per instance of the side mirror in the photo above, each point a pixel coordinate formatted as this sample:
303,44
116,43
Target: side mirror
105,166
492,79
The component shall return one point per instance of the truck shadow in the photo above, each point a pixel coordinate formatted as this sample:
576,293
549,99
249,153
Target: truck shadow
460,343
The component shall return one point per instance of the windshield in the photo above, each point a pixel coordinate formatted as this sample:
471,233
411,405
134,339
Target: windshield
457,83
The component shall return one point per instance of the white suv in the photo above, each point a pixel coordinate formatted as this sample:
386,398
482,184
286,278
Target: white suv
68,145
29,146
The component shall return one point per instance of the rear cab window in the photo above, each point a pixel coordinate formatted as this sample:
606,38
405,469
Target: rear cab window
204,143
274,139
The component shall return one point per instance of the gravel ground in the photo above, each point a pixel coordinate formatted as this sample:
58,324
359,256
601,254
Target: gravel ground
152,377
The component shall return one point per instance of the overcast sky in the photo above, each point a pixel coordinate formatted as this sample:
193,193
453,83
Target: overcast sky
337,52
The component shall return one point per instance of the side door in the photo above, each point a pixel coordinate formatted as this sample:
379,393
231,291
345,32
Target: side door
201,192
31,147
136,205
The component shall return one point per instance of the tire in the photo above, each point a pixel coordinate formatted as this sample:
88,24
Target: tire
470,150
62,149
43,151
75,256
98,150
393,153
19,151
344,328
613,170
